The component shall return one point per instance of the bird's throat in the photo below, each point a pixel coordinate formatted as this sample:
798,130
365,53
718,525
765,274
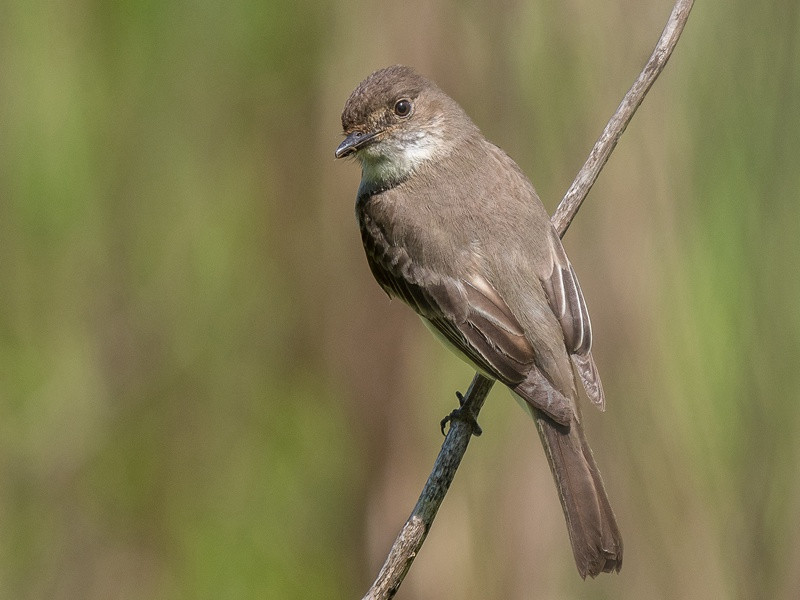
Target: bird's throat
393,159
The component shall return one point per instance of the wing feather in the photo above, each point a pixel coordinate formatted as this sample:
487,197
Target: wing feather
470,314
566,300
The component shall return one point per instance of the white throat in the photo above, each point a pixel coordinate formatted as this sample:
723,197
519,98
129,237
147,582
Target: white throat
398,155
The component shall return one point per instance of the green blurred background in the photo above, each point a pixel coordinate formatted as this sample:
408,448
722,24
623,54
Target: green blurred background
203,394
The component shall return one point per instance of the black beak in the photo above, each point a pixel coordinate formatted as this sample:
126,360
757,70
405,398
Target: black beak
354,141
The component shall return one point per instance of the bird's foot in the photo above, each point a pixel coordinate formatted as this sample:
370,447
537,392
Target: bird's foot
460,414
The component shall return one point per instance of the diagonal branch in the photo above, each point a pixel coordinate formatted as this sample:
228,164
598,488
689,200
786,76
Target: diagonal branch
607,141
412,536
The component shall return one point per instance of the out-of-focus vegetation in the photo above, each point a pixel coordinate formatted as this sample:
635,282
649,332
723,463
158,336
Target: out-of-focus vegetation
203,394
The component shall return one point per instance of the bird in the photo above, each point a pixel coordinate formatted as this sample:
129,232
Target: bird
452,227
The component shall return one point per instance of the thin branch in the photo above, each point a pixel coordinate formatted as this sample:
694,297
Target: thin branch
607,141
415,530
412,536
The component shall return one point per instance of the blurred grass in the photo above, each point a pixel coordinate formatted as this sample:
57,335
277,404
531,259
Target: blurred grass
202,392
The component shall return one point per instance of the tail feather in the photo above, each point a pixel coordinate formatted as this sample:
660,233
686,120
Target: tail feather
596,541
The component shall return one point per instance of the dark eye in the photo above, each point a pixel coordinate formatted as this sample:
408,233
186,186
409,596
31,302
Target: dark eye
402,108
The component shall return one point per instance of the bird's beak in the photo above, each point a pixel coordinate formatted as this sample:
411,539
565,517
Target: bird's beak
354,142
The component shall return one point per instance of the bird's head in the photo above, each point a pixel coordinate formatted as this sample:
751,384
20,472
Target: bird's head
396,121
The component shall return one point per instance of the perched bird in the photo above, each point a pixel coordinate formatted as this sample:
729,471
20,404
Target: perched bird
452,227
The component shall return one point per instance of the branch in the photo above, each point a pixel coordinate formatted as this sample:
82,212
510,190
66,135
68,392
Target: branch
412,536
415,530
607,141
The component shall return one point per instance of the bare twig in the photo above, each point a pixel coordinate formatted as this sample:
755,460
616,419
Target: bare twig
412,536
416,528
607,141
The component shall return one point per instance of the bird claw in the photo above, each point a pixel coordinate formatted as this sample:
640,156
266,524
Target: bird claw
459,414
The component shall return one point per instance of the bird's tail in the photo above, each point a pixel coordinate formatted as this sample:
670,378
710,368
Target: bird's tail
596,541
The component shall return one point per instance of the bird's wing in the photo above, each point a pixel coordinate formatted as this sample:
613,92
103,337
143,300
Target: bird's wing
469,313
566,300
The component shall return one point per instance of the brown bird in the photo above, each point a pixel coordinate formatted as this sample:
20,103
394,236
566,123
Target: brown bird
452,227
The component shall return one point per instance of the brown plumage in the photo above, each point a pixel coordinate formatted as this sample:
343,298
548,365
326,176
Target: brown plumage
451,226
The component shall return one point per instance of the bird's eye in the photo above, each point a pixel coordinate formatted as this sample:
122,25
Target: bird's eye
402,108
